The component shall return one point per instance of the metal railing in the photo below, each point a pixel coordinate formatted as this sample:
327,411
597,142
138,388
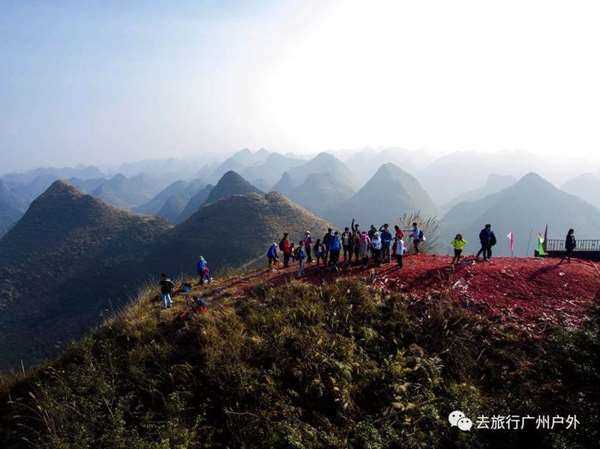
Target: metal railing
582,245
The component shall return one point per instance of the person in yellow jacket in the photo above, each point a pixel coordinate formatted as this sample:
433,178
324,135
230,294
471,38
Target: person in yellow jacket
458,244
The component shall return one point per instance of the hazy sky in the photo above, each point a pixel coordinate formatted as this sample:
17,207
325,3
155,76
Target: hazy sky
108,81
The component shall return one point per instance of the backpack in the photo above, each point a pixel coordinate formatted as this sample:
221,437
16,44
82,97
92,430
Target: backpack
421,235
493,239
281,244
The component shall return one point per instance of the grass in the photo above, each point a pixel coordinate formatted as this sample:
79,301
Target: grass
301,366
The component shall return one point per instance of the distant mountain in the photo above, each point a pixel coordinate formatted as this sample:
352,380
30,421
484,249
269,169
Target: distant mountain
11,209
389,194
230,184
524,208
366,163
494,184
87,185
128,193
270,171
176,195
586,187
322,163
318,184
194,204
320,192
70,258
240,161
462,171
173,207
54,173
173,168
233,231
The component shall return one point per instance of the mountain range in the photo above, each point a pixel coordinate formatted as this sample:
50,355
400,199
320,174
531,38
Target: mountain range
171,201
524,209
69,259
585,186
389,194
319,184
72,258
493,184
10,209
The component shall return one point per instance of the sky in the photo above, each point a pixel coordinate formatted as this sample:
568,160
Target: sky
106,81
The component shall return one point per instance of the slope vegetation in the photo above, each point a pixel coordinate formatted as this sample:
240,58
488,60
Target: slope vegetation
232,232
68,259
274,364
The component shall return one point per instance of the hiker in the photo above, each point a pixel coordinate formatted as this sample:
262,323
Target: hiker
398,233
166,289
386,243
327,241
335,247
487,238
347,244
202,270
417,237
399,249
355,238
372,231
459,245
307,242
286,249
363,248
300,255
272,255
376,245
320,252
570,245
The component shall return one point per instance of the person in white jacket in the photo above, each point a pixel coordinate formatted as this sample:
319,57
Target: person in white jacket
399,249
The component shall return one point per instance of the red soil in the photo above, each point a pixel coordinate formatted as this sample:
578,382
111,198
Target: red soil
527,292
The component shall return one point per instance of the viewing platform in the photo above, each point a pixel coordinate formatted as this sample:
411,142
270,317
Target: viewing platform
586,249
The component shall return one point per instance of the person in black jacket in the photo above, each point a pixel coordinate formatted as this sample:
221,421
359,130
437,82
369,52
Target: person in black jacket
487,239
570,245
166,289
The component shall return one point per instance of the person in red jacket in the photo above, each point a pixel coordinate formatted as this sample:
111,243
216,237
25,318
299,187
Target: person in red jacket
286,248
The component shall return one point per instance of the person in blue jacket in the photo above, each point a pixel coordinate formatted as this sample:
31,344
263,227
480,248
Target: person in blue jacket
272,254
202,270
386,243
335,247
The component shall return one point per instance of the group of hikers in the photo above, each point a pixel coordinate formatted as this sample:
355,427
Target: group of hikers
380,245
377,244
